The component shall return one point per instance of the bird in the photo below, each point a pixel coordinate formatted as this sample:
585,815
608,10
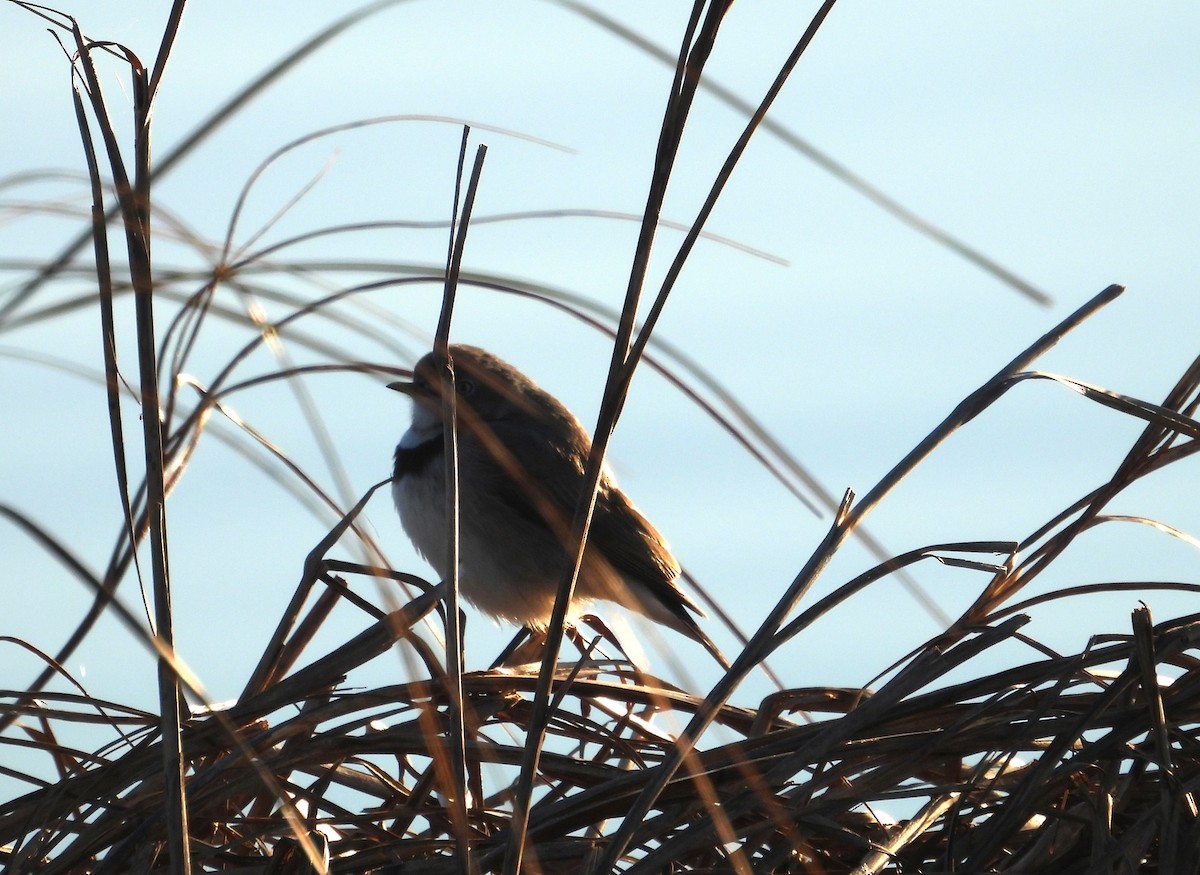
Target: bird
522,457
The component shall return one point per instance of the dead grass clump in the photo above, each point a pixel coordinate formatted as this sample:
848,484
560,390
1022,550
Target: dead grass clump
1039,768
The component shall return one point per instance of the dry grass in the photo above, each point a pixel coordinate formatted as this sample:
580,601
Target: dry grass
1041,767
1068,763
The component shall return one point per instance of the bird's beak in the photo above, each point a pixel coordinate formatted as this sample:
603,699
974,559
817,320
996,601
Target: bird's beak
418,394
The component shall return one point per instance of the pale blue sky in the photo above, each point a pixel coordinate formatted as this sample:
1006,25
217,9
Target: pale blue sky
1059,139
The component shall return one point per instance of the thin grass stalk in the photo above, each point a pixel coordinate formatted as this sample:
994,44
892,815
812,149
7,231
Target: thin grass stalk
138,235
103,274
1167,422
320,675
98,585
831,738
269,671
825,741
170,32
861,581
134,201
623,374
847,520
65,557
691,61
576,309
864,763
821,495
193,140
245,258
1171,805
689,66
1143,633
824,161
991,835
171,703
456,790
108,333
731,161
1150,451
572,307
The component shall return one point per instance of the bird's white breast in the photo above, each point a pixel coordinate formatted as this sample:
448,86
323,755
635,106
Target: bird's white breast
421,502
495,573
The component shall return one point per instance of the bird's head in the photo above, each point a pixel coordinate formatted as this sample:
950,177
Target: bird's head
488,387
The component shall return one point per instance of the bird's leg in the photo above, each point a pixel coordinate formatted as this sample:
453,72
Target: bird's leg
528,644
605,633
525,639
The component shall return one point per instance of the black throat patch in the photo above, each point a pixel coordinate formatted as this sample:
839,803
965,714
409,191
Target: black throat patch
414,460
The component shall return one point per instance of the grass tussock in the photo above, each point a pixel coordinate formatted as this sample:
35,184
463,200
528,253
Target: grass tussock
1037,767
1060,764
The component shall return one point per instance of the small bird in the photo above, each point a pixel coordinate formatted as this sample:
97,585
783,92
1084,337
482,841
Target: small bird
521,456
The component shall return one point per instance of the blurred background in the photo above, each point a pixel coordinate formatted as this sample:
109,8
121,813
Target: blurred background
1057,140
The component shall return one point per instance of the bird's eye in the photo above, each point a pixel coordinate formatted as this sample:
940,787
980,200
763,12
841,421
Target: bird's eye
465,387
